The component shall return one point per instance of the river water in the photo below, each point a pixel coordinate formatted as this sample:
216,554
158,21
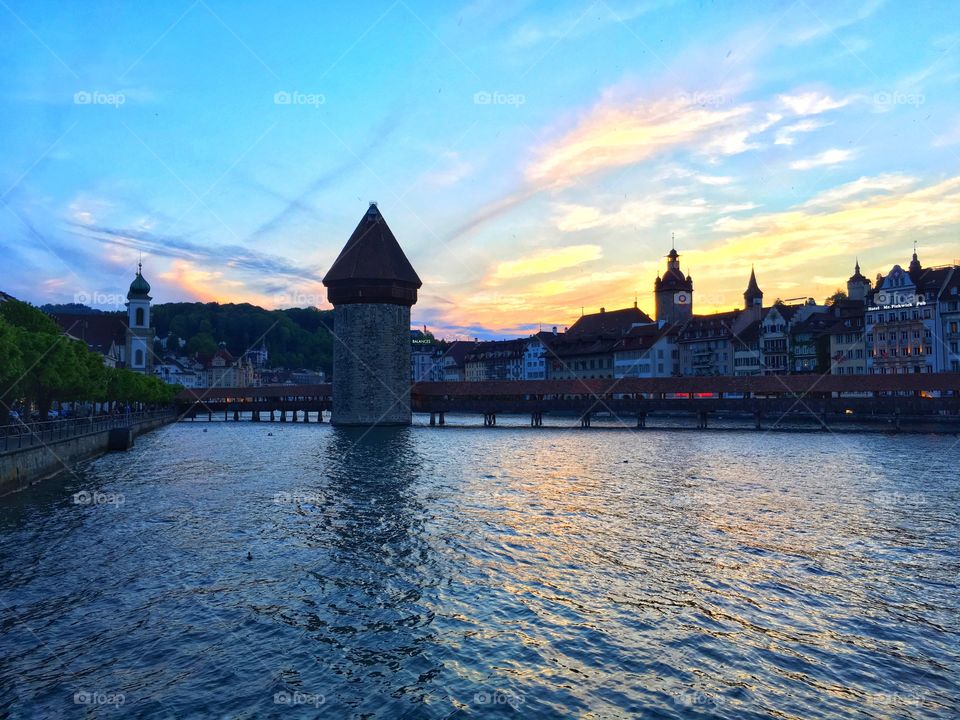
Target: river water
472,572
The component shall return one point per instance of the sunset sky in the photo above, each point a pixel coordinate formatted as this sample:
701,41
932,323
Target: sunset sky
532,158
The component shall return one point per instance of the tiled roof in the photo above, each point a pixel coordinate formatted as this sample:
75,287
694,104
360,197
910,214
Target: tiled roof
98,330
372,254
609,322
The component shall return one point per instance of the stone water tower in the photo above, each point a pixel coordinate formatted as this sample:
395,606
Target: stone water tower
371,286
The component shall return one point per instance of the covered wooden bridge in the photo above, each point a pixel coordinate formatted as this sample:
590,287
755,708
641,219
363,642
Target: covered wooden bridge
894,397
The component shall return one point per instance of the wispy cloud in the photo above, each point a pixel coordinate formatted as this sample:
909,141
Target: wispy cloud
546,261
833,156
812,103
785,136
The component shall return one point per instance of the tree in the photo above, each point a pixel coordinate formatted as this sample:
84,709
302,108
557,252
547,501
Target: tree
837,296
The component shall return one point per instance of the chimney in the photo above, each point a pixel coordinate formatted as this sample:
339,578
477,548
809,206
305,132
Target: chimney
603,310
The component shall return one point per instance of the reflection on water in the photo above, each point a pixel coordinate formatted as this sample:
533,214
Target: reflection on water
495,573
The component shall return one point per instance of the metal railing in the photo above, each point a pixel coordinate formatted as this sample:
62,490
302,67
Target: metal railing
23,435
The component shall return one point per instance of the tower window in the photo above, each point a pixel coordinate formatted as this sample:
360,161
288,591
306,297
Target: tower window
139,321
138,355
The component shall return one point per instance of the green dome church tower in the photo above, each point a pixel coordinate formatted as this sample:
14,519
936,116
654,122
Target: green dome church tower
372,287
138,350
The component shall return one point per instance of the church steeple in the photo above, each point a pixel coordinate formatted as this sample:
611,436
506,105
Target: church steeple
915,266
753,296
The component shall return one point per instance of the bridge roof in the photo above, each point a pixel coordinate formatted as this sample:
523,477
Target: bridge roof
769,384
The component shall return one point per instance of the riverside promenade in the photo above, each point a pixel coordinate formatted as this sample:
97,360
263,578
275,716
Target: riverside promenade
30,452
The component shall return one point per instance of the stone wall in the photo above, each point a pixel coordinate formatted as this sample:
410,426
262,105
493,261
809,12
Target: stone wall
22,468
371,364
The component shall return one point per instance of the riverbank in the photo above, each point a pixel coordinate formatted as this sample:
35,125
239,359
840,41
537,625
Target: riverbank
40,455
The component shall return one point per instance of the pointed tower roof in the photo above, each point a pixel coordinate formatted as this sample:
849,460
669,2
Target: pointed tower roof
372,268
753,289
857,276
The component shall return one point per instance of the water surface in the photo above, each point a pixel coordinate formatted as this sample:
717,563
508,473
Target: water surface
470,572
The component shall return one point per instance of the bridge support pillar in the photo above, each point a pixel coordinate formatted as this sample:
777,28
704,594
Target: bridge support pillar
702,420
210,416
433,419
641,420
271,416
319,416
758,420
585,420
489,419
236,415
294,416
225,414
896,420
536,419
283,416
443,419
823,420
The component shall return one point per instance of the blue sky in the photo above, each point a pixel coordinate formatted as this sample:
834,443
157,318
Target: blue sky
532,158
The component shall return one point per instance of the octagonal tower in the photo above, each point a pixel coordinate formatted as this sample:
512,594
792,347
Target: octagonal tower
372,287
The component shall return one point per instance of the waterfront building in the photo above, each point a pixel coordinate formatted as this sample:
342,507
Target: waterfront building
746,339
673,293
222,369
648,351
537,353
746,350
495,360
706,344
426,359
372,287
778,342
949,311
810,343
586,349
848,355
453,361
907,330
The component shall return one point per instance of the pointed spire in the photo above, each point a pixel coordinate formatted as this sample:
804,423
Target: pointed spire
753,294
372,268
